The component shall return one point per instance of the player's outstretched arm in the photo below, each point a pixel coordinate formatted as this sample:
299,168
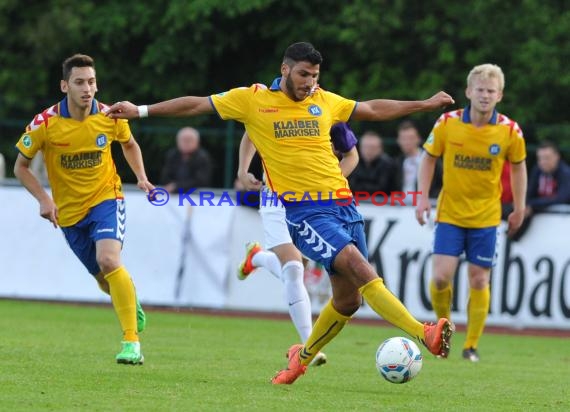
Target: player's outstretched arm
384,109
180,107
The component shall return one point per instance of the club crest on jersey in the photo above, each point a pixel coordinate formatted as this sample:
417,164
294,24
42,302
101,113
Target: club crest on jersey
494,149
315,110
101,140
27,141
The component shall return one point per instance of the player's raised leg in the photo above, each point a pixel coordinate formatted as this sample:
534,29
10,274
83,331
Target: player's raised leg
346,300
352,264
339,230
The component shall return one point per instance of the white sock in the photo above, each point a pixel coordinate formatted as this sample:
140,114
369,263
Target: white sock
268,260
297,298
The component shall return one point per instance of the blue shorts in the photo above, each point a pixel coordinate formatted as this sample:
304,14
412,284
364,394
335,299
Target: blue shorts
321,232
107,220
479,245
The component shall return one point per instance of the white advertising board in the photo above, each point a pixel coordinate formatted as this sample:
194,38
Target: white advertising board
178,260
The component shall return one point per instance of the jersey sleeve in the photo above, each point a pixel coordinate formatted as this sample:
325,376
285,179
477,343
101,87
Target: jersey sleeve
32,140
342,137
435,143
123,134
341,108
517,148
234,104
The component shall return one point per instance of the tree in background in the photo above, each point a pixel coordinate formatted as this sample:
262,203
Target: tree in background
153,50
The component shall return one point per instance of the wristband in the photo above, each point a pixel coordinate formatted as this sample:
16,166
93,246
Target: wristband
143,111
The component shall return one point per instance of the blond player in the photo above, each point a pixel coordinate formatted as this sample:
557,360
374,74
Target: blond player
474,142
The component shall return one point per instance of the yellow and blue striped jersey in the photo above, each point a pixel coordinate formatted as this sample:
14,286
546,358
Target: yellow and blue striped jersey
473,159
292,138
78,157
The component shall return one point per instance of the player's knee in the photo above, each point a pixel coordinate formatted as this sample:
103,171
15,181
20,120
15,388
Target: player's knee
292,272
354,266
479,285
442,276
479,279
347,305
286,253
108,262
440,282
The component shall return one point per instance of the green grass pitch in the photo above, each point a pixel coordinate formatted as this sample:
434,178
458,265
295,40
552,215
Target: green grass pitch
61,358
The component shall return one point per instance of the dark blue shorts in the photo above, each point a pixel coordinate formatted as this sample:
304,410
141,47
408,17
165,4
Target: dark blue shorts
321,232
479,245
107,220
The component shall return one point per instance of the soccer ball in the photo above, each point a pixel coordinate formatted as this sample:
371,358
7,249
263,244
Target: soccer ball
398,360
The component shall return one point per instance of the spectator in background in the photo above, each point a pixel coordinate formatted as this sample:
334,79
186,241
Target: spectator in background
407,164
187,165
549,182
376,170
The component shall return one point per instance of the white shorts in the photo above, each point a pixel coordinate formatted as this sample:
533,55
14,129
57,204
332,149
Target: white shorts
273,220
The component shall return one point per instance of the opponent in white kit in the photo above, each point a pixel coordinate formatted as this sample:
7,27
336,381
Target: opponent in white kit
282,258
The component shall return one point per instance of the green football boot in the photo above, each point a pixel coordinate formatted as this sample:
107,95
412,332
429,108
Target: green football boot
130,354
